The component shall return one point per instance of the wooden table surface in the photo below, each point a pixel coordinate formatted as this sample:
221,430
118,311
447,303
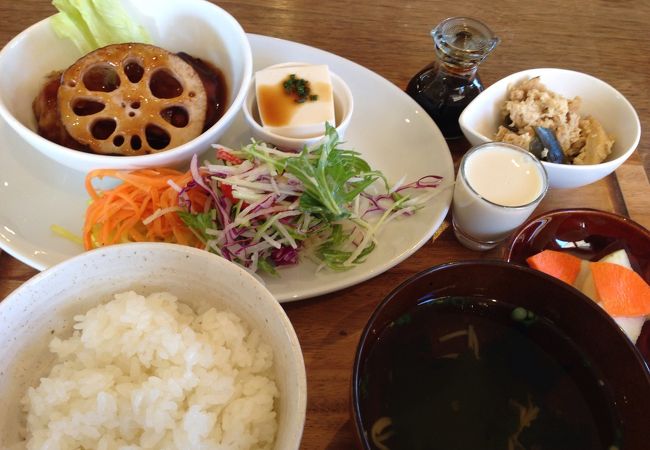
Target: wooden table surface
605,39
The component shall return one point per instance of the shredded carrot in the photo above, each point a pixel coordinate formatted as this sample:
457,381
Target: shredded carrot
117,215
557,264
622,291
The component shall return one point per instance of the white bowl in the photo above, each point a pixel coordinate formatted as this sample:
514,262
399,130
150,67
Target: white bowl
343,109
49,300
481,118
196,27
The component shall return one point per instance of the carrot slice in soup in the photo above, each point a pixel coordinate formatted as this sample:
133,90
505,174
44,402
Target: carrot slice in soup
622,291
563,266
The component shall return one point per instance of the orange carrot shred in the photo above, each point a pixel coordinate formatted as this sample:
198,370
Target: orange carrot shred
622,291
117,215
561,265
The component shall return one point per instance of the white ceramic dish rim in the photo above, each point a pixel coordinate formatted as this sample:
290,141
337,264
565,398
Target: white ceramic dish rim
140,160
463,119
295,416
409,128
297,142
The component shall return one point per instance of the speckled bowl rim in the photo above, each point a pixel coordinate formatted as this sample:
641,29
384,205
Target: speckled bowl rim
294,372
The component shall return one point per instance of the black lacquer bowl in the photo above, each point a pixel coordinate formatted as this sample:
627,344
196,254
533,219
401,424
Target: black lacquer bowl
487,354
589,234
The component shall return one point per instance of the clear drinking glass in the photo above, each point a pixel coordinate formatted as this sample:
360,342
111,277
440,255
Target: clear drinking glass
498,186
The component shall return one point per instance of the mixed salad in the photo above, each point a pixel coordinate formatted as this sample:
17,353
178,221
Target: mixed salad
259,206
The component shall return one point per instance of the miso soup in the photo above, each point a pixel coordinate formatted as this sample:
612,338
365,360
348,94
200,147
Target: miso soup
479,374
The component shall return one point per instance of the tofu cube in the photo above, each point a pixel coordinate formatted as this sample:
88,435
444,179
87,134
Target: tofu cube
288,114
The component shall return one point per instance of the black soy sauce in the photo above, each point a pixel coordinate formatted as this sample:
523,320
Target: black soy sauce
446,86
444,95
441,391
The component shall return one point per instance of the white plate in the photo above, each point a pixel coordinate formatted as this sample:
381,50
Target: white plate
391,131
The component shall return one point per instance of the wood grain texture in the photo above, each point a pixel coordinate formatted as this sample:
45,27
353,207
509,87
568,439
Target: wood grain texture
607,39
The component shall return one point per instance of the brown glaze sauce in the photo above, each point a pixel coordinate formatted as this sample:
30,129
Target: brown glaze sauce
47,115
215,88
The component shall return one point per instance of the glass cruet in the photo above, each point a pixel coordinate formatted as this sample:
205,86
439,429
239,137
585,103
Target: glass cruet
444,87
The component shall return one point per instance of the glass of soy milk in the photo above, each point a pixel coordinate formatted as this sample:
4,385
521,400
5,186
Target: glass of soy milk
497,188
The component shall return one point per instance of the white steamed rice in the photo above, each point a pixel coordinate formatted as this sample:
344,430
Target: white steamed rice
149,373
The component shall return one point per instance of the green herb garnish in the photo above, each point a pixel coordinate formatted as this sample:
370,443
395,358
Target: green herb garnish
332,177
299,89
522,315
198,223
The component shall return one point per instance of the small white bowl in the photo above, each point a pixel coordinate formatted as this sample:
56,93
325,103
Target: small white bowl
481,118
197,27
343,109
198,278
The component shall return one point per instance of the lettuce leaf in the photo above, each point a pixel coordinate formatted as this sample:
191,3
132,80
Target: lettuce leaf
92,24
